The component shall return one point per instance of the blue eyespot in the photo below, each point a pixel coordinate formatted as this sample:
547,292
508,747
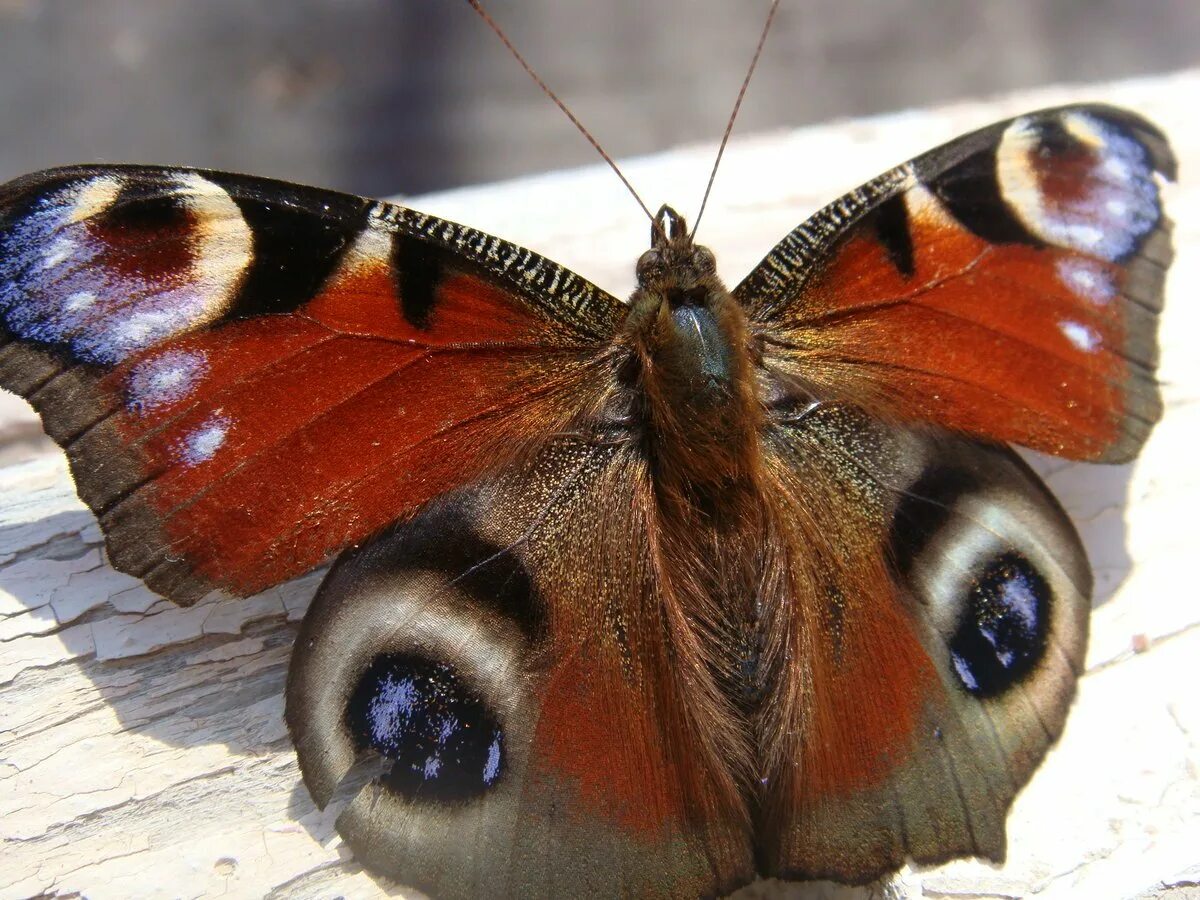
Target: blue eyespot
1002,632
444,742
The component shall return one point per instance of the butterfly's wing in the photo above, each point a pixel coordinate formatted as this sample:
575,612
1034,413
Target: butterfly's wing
516,654
1006,285
249,375
933,608
930,617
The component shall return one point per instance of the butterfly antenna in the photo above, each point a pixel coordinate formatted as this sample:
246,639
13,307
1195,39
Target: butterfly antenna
477,5
762,39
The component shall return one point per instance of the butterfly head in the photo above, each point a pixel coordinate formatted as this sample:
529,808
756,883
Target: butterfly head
677,278
689,338
673,258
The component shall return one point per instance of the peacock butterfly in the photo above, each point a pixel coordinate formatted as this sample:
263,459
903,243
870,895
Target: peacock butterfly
646,598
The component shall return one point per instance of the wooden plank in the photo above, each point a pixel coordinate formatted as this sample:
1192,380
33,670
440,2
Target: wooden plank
142,747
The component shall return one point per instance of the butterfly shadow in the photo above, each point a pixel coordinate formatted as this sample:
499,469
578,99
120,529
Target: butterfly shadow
211,673
1096,498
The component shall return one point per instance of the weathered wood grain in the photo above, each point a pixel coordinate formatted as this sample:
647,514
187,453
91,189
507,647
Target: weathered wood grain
142,748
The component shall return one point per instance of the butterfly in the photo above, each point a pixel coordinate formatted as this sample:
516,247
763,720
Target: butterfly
644,598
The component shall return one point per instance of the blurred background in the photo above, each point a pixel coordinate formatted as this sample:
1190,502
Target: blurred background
382,97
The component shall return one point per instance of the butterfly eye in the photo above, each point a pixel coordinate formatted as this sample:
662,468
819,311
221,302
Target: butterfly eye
441,739
648,264
997,565
411,667
1001,632
704,260
401,664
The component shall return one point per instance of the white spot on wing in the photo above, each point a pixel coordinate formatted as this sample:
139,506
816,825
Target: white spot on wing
1088,130
80,300
60,250
1118,168
140,328
222,246
94,197
1086,278
202,443
924,207
1080,335
164,379
492,767
372,247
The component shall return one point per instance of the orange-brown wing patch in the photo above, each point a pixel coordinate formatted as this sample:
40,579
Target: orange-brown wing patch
1006,286
249,375
385,414
996,340
371,295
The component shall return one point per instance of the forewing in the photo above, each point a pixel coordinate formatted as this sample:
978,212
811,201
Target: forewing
930,603
1006,285
510,652
248,375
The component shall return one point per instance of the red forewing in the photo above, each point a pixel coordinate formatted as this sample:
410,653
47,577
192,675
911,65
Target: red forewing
1006,285
248,375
